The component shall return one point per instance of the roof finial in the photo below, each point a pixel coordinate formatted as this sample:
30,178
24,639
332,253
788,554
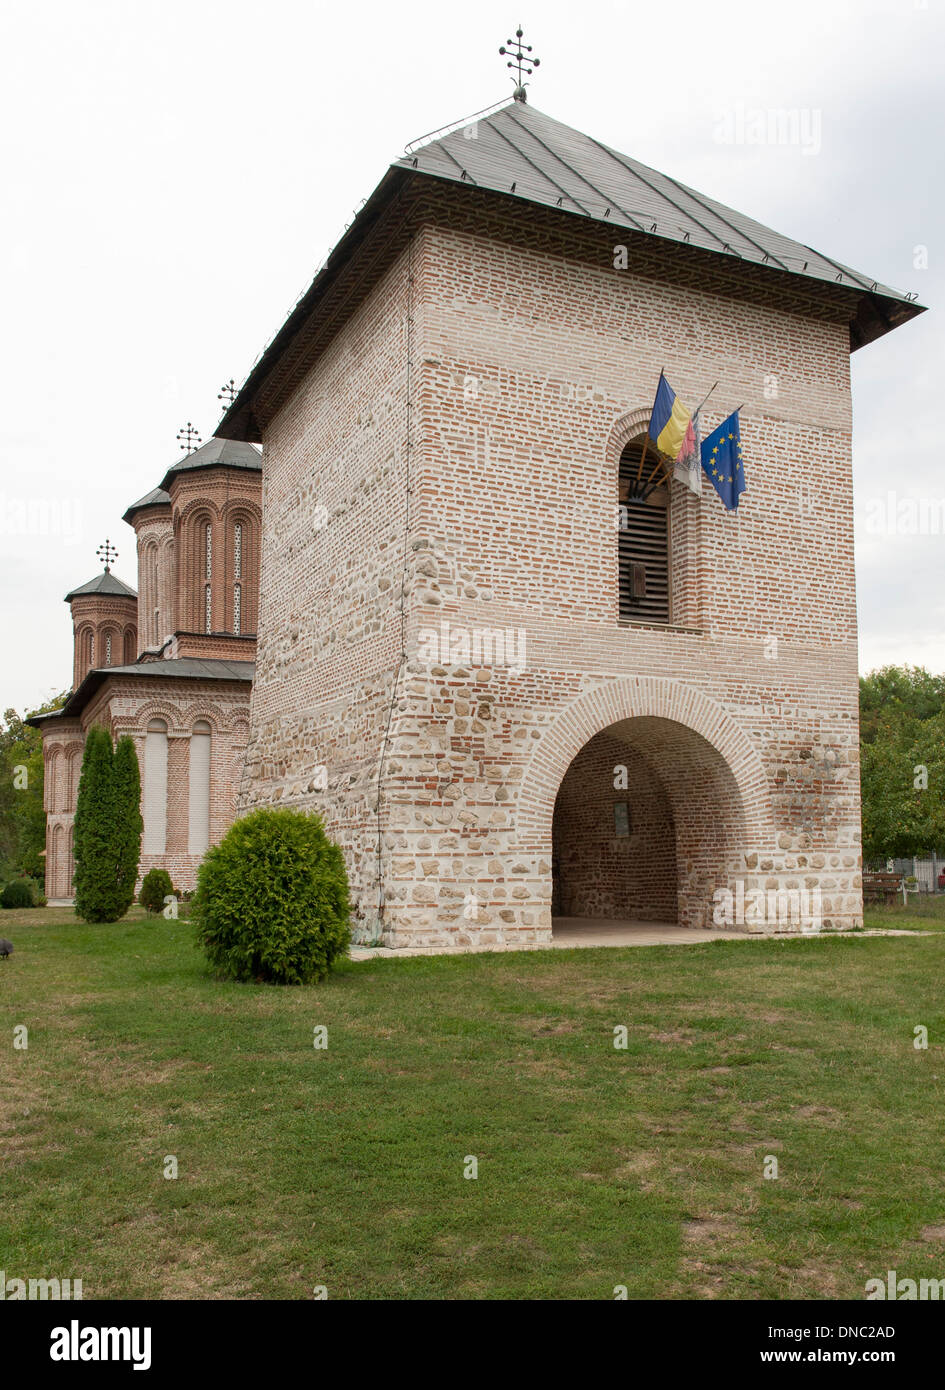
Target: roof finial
520,61
188,438
228,393
107,553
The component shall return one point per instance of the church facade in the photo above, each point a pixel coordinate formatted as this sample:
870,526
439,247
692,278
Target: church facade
524,674
170,664
511,704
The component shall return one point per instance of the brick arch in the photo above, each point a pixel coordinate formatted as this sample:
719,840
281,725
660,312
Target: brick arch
624,429
630,697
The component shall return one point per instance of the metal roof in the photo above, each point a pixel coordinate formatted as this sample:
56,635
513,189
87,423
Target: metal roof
521,151
180,668
104,583
216,453
522,155
157,497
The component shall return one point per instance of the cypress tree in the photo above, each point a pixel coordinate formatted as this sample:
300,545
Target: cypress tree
128,824
93,828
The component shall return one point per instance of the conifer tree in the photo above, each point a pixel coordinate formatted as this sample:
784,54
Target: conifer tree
128,823
107,829
92,829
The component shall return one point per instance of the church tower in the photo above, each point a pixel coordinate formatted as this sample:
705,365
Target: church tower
524,686
104,623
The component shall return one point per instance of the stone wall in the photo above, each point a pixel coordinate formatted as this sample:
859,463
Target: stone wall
490,380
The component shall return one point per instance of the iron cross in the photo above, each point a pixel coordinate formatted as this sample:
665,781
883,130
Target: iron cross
107,553
520,61
188,438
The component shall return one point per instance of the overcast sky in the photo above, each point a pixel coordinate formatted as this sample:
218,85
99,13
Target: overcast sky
174,171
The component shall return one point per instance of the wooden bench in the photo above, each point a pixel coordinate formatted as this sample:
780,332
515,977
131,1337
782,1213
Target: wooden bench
882,887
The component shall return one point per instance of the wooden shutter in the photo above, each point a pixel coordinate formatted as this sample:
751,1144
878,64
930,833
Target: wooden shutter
643,539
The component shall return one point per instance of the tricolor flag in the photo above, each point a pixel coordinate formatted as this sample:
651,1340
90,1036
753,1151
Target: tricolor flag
673,432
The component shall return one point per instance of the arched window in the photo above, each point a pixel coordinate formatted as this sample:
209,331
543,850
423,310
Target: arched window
89,650
108,648
643,535
237,576
208,575
155,788
151,590
199,817
129,645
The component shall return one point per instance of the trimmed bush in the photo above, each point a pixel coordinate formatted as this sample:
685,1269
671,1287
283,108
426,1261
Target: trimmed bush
155,886
20,892
272,900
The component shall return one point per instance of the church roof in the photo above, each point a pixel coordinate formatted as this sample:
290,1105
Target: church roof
523,155
180,668
157,497
104,583
216,453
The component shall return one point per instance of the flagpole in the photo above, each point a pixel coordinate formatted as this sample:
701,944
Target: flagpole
646,438
703,401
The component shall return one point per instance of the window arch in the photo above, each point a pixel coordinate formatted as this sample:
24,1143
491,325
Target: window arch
199,807
152,605
643,547
130,643
155,788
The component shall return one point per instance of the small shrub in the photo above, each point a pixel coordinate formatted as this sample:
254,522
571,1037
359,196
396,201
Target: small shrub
155,886
18,893
272,900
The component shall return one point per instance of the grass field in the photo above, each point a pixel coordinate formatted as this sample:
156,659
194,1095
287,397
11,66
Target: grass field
597,1167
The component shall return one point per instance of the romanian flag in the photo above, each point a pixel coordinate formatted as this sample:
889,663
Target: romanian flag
671,427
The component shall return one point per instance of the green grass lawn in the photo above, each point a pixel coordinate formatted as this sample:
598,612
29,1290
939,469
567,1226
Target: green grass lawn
922,912
597,1167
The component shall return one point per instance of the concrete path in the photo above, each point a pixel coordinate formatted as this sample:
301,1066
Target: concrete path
577,933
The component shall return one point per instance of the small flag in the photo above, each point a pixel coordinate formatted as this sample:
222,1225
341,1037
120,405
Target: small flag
722,461
670,421
686,469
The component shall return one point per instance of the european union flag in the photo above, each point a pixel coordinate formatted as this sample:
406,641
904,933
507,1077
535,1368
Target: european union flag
722,461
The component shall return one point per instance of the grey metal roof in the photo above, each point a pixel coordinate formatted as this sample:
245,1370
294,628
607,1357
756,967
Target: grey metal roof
104,583
521,151
216,453
523,155
157,497
180,668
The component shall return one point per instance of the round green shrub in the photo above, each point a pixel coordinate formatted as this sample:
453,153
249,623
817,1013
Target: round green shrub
19,892
155,887
272,900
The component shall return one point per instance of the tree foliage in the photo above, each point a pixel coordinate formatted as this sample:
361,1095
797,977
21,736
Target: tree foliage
272,899
22,818
902,762
107,831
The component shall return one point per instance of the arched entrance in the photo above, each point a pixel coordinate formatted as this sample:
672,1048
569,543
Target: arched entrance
640,800
647,822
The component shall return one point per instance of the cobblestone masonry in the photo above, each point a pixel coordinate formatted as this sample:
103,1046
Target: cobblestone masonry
492,376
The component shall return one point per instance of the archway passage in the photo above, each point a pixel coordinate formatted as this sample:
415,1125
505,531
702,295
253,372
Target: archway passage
648,821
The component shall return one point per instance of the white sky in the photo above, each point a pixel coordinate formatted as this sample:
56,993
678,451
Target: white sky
174,171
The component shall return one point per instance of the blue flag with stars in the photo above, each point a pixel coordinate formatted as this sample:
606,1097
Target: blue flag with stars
722,461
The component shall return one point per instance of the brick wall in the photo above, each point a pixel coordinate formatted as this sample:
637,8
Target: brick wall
523,361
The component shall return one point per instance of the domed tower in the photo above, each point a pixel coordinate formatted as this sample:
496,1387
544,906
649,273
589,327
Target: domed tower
215,497
104,621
